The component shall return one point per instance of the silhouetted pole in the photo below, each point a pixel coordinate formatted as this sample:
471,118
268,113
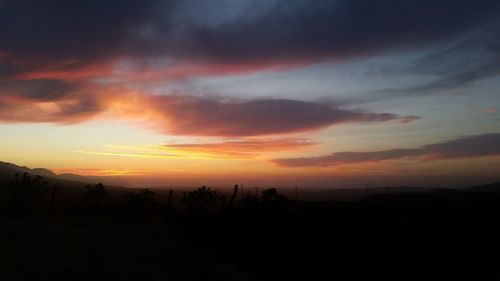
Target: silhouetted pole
169,200
235,192
168,206
296,193
52,198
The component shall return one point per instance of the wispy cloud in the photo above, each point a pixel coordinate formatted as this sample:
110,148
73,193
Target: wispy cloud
98,172
222,150
133,155
471,59
245,148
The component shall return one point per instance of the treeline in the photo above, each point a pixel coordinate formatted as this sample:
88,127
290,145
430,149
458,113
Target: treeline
28,194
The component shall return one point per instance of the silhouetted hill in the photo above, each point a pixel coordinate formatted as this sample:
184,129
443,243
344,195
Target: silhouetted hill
69,186
75,177
8,169
492,187
354,194
68,180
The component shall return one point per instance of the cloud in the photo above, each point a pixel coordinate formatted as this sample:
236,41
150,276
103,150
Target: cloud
226,149
301,29
489,110
53,54
208,117
241,148
54,101
472,58
466,147
37,90
70,35
472,146
57,38
133,155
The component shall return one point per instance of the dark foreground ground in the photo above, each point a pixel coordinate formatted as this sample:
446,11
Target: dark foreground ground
40,249
438,236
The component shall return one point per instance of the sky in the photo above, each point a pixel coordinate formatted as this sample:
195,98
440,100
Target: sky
338,93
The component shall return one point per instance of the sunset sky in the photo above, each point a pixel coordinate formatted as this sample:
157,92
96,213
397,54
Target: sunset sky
339,93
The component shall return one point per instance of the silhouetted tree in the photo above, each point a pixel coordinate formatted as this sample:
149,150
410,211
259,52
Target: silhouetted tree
138,206
26,191
167,208
96,195
201,200
233,196
53,198
271,195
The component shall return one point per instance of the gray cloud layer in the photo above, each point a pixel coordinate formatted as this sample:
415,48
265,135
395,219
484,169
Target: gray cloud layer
467,147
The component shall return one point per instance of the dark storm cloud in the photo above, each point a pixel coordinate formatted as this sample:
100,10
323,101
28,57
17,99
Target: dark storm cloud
90,30
344,28
37,90
467,147
71,29
37,33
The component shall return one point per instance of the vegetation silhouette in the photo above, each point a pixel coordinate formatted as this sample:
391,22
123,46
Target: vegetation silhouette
271,195
53,198
96,196
233,196
139,206
263,234
26,192
168,208
201,201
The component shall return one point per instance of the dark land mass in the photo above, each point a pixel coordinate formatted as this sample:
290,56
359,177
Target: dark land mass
77,231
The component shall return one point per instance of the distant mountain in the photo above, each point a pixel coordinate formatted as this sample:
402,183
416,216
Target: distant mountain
42,172
75,177
7,170
69,186
492,187
353,194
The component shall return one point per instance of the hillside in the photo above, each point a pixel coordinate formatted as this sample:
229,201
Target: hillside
69,187
492,187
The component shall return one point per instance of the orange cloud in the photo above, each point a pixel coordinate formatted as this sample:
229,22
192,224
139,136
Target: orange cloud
134,155
98,172
54,101
246,148
229,149
184,115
